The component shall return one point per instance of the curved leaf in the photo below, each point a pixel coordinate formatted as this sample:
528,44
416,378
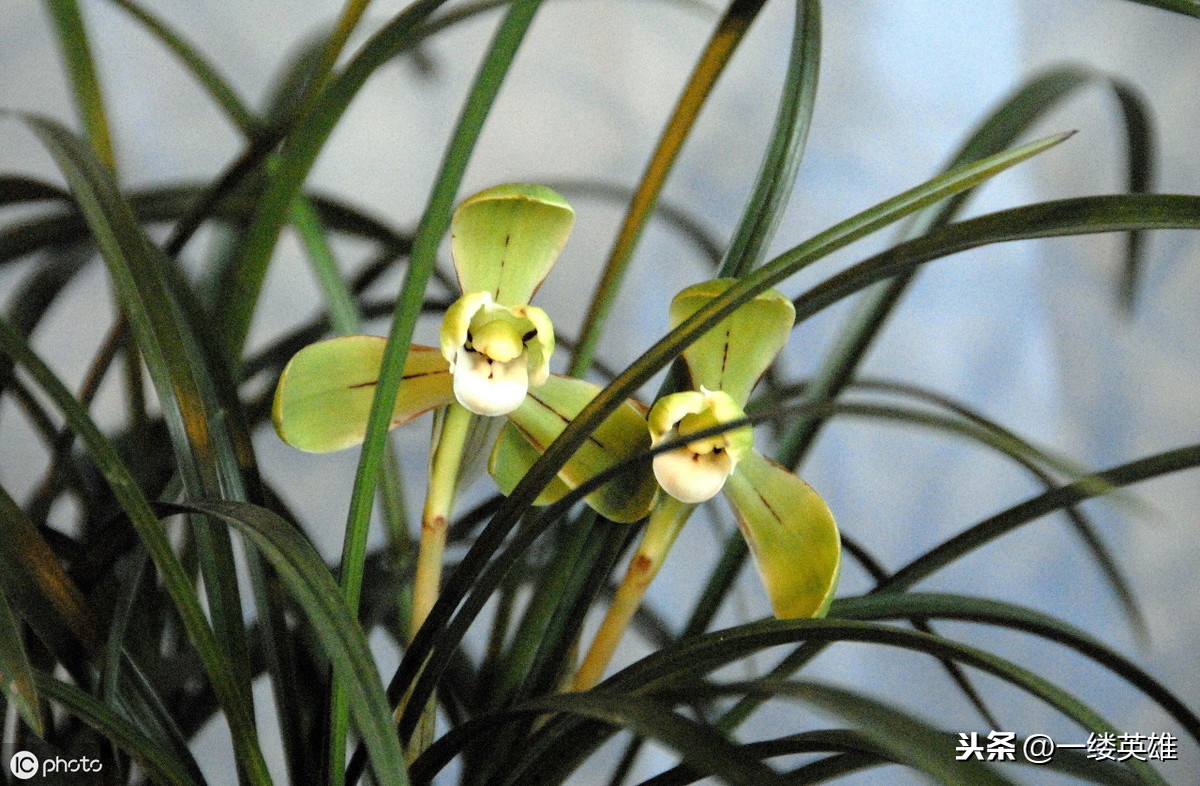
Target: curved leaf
902,605
312,587
725,39
16,675
156,760
175,579
467,578
777,175
208,453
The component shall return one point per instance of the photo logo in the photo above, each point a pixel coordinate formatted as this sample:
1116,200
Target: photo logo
23,765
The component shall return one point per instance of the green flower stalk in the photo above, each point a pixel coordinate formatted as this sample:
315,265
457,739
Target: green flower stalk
789,529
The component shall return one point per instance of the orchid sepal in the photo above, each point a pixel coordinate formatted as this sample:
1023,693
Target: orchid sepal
324,395
792,536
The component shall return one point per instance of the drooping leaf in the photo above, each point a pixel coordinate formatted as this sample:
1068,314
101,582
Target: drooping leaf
213,654
506,238
455,591
325,392
736,351
541,418
792,536
36,583
157,761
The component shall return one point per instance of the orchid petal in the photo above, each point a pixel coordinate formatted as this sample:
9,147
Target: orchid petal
540,345
456,324
490,387
692,477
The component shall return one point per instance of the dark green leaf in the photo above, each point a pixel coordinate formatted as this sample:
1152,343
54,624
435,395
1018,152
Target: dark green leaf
311,585
16,676
777,175
725,39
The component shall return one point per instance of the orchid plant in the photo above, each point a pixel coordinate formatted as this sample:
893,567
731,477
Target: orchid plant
504,240
162,571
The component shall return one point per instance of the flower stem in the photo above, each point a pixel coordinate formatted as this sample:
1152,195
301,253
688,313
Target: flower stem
444,464
666,519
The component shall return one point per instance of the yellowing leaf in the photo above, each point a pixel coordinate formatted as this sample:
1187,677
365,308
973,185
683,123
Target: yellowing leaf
505,240
791,534
736,351
545,413
325,392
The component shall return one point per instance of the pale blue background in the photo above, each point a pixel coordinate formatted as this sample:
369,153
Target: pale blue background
1028,333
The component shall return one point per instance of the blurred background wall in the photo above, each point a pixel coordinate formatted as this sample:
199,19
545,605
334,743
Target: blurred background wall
1030,333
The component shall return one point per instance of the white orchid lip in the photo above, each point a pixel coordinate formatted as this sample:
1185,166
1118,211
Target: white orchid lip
490,387
495,352
697,471
692,477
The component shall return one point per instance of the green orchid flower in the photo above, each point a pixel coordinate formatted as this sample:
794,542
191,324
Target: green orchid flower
791,533
495,351
504,241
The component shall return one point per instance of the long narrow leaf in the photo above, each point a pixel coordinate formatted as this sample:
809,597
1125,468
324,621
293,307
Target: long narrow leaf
81,69
312,587
880,606
112,726
722,44
433,226
669,347
19,688
296,159
212,654
777,175
204,449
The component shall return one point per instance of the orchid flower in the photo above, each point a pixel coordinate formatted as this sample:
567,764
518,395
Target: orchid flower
792,536
493,359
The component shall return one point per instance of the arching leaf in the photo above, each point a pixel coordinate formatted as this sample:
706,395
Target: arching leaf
511,457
